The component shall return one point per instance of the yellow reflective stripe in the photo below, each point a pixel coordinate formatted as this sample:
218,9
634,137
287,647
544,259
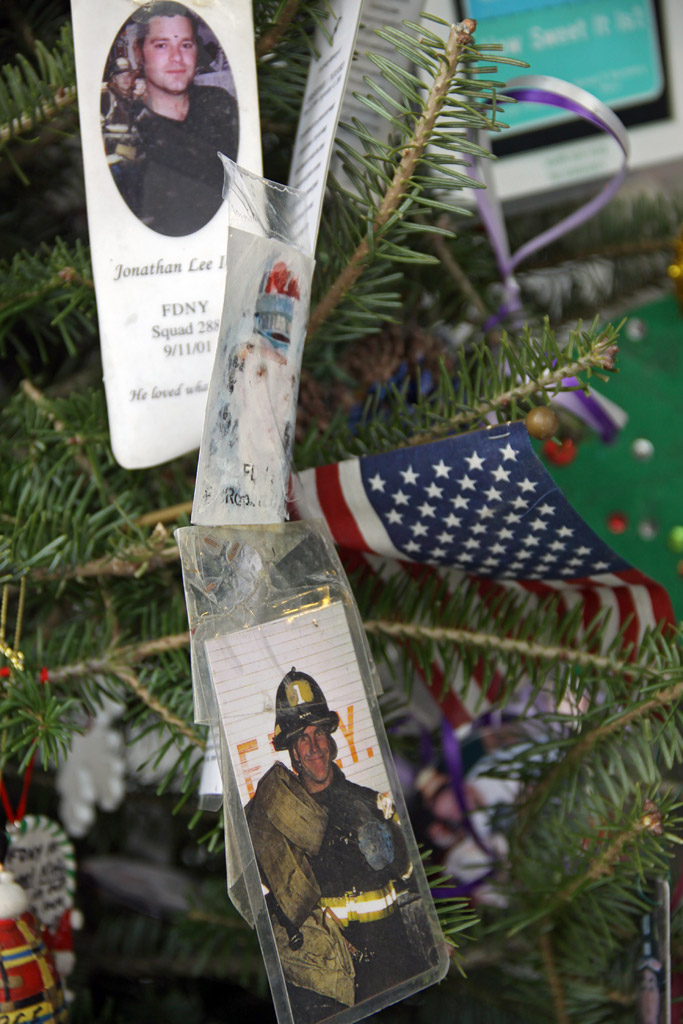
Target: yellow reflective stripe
332,901
18,961
16,953
377,894
46,975
362,906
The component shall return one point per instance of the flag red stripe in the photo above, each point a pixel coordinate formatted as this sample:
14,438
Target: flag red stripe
628,611
495,687
591,605
339,517
659,598
454,710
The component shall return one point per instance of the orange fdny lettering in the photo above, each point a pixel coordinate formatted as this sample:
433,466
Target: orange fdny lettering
348,733
242,750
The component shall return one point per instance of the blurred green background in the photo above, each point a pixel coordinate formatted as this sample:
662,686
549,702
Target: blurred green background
605,479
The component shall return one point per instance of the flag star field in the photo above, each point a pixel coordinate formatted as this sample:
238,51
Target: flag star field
482,502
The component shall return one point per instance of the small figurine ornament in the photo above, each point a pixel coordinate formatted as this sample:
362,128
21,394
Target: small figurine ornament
30,988
42,859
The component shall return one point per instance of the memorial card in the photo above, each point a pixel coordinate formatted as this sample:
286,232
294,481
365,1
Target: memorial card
320,855
163,87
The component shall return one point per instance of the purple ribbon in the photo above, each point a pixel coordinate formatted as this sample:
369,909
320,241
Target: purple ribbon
551,92
590,410
453,757
554,92
558,93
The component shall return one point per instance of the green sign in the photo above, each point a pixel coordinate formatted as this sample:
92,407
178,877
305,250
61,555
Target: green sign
608,47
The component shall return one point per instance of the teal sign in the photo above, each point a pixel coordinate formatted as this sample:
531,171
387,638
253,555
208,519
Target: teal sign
608,47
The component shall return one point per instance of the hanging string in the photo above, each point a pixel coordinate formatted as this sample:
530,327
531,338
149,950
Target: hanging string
13,654
16,659
20,616
3,612
15,816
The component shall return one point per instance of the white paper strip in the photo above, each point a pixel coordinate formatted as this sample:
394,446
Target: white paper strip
321,105
376,15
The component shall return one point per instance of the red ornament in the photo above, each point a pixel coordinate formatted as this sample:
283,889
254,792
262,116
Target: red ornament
560,454
617,522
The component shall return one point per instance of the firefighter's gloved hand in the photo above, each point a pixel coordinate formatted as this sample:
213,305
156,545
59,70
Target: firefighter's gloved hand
385,804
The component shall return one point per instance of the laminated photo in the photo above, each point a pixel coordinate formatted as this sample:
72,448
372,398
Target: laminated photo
163,89
337,891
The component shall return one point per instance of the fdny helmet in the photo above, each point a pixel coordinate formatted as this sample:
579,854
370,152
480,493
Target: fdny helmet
300,702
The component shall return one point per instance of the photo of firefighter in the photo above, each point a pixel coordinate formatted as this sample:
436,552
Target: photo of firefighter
168,106
347,917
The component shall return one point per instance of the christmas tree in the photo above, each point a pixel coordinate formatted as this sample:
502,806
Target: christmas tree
94,623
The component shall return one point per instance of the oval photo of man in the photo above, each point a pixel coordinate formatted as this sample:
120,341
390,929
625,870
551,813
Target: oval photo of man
168,107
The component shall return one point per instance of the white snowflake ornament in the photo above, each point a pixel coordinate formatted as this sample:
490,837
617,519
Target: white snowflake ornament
93,773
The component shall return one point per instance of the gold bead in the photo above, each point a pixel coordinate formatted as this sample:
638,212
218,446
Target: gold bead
541,422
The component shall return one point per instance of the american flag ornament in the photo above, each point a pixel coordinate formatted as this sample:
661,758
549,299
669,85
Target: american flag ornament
480,507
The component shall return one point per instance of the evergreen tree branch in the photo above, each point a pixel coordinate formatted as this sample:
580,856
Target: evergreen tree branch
613,250
485,641
133,653
459,37
460,278
142,692
599,358
128,655
33,296
503,644
602,864
581,747
270,39
48,294
75,440
165,515
136,563
117,661
554,982
43,112
30,95
507,380
112,667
